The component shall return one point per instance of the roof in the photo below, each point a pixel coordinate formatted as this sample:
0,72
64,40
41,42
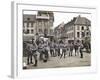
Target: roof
78,21
46,12
59,26
72,22
82,21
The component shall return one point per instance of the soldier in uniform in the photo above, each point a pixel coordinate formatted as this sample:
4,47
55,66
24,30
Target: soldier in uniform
52,48
61,47
67,48
34,52
63,50
29,55
40,49
45,52
31,48
81,50
56,49
71,49
76,48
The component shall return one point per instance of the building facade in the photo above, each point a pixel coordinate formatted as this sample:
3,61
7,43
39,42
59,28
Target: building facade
39,24
59,30
77,29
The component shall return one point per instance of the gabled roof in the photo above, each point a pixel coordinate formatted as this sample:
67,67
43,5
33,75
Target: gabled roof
72,22
78,21
59,26
82,21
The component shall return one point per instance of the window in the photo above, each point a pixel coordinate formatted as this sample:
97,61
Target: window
78,34
87,33
32,31
83,34
82,28
27,31
40,30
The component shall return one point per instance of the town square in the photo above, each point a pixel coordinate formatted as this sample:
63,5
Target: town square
54,39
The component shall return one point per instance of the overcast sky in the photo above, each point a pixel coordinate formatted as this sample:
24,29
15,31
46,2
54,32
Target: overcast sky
60,17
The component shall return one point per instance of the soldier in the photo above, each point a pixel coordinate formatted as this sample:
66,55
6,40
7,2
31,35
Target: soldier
81,52
67,48
40,48
45,52
51,48
63,50
56,49
34,52
29,55
31,48
71,49
76,48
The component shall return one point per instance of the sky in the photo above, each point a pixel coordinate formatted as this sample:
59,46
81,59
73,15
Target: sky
60,17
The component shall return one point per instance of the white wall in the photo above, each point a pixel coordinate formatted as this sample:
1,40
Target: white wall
5,38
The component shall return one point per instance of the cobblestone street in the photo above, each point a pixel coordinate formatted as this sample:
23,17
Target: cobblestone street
55,62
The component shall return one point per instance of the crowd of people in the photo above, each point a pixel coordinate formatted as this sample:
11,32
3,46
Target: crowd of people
53,48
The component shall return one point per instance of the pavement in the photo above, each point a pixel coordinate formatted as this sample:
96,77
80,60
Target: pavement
56,62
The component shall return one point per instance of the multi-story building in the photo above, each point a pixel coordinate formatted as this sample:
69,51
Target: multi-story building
77,29
59,30
40,24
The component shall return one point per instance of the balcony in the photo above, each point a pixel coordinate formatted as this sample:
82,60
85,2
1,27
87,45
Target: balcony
42,17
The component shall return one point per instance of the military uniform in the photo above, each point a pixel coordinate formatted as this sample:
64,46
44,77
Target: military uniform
63,50
32,52
40,49
45,52
52,49
81,50
71,49
76,48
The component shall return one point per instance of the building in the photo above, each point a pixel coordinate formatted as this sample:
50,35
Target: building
77,29
59,30
39,24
